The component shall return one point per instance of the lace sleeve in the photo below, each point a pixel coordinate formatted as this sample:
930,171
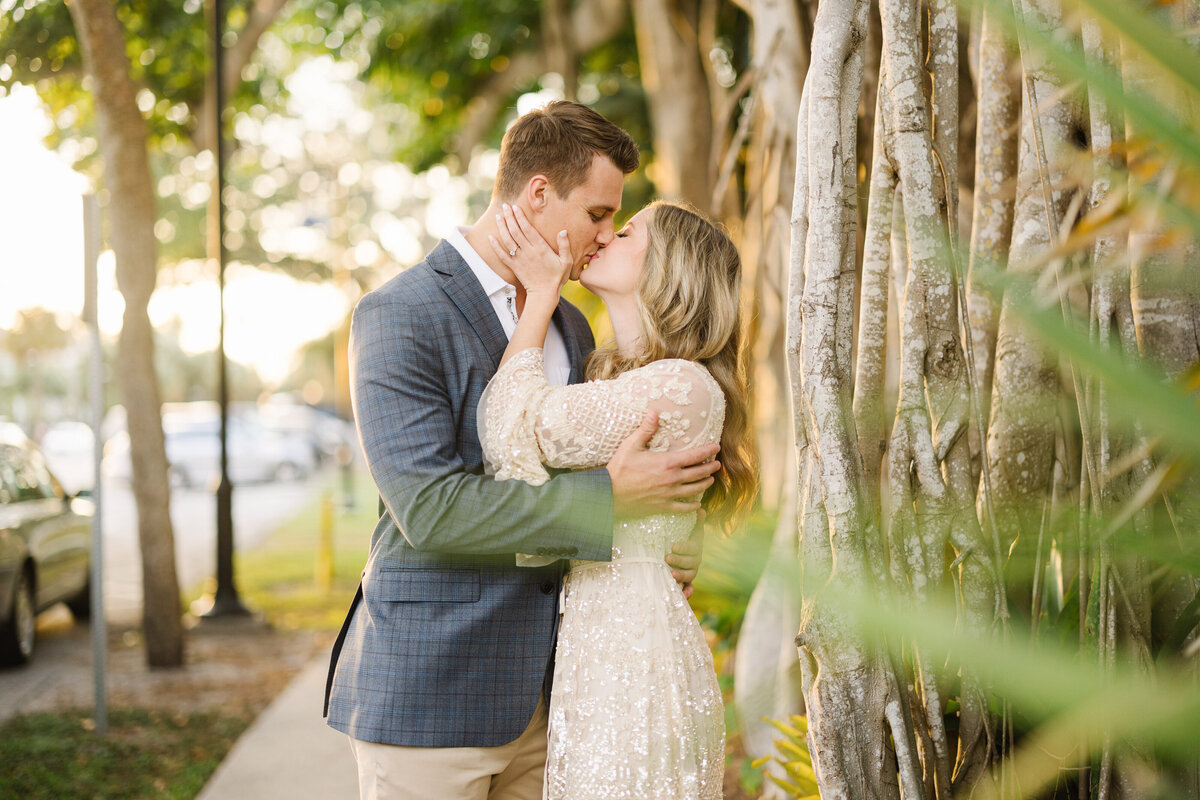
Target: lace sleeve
529,423
510,450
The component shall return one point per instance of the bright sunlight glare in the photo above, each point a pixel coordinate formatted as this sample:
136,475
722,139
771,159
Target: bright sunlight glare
269,316
41,215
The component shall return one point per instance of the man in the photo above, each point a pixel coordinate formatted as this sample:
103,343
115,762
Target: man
441,672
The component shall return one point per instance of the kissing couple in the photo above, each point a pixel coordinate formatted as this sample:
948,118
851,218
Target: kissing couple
522,629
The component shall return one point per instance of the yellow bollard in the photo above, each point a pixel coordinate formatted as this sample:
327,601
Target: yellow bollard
324,566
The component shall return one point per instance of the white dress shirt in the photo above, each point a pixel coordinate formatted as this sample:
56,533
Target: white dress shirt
503,297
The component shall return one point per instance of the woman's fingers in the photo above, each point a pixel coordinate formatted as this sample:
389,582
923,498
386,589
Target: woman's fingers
521,248
522,235
564,251
527,232
517,233
504,235
502,251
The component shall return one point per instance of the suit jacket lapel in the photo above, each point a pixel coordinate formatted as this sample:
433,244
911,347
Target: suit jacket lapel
462,287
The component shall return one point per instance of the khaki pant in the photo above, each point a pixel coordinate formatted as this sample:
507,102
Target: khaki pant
513,771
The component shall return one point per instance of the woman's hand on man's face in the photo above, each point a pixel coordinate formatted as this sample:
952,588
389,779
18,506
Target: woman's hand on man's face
522,249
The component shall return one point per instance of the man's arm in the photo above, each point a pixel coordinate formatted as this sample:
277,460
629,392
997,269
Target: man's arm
406,424
646,483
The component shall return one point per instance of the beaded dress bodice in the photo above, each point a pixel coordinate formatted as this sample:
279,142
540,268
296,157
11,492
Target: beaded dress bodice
636,710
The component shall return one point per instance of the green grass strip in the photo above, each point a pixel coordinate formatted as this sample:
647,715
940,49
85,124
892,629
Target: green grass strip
146,754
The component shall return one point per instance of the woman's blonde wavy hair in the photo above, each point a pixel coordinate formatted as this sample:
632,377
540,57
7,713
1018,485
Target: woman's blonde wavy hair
689,305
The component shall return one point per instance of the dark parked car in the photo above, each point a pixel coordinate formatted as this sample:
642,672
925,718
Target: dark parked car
44,545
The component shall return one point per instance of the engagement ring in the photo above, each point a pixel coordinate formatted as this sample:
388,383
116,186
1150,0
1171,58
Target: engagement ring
512,252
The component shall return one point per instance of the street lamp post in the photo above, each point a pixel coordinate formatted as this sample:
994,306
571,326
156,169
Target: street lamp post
225,601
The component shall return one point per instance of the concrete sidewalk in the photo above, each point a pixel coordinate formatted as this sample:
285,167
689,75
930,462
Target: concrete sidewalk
289,751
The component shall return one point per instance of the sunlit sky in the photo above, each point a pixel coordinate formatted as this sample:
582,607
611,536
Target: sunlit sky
41,263
269,316
41,222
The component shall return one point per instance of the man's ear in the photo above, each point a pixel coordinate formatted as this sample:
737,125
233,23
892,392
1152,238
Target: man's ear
537,193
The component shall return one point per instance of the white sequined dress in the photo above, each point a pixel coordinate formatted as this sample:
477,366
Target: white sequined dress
636,711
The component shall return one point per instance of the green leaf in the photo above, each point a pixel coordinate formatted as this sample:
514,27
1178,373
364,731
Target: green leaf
784,728
790,788
803,775
797,752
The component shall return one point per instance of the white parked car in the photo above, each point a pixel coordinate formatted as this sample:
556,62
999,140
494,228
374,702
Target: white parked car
45,538
324,432
256,454
68,448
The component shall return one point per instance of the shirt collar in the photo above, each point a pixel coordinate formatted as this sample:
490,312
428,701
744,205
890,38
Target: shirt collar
492,283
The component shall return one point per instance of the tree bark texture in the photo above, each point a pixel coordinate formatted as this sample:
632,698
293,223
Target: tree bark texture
132,215
845,676
929,468
999,106
1021,428
914,491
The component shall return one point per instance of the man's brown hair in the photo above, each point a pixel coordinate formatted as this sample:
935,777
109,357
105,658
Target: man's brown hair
559,140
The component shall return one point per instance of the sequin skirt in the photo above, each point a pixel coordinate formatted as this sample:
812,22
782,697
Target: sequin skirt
636,711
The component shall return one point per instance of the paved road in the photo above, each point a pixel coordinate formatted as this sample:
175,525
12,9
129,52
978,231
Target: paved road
63,656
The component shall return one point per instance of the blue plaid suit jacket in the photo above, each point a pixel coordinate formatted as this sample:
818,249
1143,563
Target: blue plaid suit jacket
448,643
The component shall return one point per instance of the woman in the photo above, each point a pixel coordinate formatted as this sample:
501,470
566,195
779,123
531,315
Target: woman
635,710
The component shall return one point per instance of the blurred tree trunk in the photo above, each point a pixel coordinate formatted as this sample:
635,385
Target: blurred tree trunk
132,215
767,678
1112,326
779,62
35,334
1150,308
673,74
589,24
766,675
1170,340
560,49
235,58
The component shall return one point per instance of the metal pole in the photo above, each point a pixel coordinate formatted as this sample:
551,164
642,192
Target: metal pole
226,601
91,316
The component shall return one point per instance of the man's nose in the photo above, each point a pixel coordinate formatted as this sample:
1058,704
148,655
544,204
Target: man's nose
606,235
